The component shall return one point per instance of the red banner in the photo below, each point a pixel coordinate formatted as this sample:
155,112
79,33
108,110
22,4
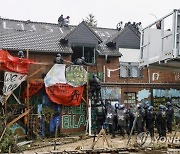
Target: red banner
14,64
65,94
34,87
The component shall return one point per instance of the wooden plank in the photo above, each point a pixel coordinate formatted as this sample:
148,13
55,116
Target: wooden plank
19,117
37,71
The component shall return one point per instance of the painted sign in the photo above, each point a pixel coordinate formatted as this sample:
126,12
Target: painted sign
73,117
168,93
12,81
113,93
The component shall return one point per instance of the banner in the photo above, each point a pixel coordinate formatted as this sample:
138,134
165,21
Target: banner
14,64
12,81
76,75
65,94
34,87
55,75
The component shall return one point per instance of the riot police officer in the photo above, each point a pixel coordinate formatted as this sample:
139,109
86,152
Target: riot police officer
170,115
95,87
161,121
146,106
150,120
110,118
99,115
140,118
122,119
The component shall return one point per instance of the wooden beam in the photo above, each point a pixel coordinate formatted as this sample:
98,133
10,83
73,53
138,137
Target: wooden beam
37,71
19,117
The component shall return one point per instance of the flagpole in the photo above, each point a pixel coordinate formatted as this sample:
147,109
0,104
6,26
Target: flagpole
27,100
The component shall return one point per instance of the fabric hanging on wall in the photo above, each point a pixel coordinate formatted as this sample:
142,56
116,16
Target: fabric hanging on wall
57,88
55,75
12,81
34,87
65,94
14,64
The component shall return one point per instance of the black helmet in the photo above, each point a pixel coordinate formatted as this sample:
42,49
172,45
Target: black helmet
161,107
150,108
122,106
139,105
58,55
168,104
21,54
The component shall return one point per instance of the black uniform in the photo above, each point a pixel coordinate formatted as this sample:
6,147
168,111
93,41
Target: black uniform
161,121
146,106
150,120
122,120
100,116
140,118
110,118
170,115
95,87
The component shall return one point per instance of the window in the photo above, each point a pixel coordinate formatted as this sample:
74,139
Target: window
81,51
130,70
130,98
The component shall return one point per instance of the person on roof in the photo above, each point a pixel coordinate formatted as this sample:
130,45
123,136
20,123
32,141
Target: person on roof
119,25
61,20
66,21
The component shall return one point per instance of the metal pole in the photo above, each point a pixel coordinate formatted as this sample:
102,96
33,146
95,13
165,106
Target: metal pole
57,122
134,123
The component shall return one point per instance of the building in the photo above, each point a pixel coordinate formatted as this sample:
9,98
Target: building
114,54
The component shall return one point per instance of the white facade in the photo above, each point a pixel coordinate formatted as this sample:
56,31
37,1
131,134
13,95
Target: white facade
161,45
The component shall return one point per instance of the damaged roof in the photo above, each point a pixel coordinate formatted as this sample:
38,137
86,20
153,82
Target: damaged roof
46,37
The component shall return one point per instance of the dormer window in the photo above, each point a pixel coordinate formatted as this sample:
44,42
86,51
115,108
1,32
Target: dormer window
83,51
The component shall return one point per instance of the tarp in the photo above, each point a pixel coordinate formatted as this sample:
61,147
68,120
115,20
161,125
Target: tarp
61,92
34,87
65,94
14,64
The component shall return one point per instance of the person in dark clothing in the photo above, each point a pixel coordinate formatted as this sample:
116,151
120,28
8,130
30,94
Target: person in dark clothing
95,87
58,59
146,106
110,116
169,115
122,119
150,120
115,119
158,24
161,121
99,115
61,20
81,61
140,118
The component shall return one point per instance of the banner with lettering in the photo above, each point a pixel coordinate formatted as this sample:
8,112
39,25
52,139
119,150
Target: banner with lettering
14,64
65,94
12,81
34,87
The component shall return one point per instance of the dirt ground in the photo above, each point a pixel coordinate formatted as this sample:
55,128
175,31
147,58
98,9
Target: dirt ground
85,142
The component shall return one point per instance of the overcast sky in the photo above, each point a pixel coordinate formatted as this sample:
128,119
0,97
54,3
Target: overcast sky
107,12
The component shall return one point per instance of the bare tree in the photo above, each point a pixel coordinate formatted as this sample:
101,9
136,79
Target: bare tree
91,21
